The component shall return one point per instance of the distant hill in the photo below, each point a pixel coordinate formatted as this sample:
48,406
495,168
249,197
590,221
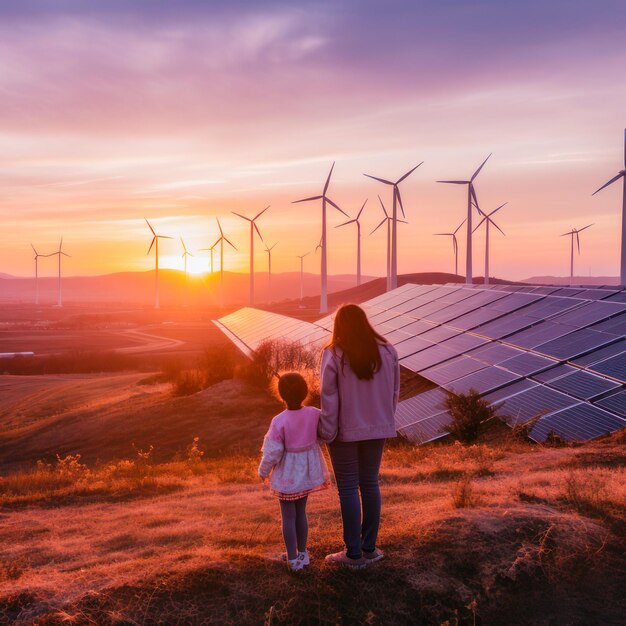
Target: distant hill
6,276
578,280
138,288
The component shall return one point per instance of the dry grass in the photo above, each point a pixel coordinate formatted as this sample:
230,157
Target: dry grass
523,539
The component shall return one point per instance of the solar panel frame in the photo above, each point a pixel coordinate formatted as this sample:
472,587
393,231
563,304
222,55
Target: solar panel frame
528,363
494,353
452,370
555,372
483,381
419,407
539,400
411,346
505,325
613,326
427,358
601,353
614,366
574,344
539,333
589,313
428,429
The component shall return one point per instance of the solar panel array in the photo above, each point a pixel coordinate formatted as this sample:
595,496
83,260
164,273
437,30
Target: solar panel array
551,354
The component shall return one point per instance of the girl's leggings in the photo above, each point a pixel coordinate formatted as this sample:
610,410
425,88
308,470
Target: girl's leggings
295,525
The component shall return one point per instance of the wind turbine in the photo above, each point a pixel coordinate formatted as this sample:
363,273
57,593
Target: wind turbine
325,200
574,233
301,257
471,199
397,199
155,239
210,249
186,253
269,270
60,253
387,219
455,245
487,220
253,227
221,240
621,174
37,255
358,241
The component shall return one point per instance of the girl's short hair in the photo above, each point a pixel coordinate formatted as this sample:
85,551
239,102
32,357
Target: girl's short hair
292,388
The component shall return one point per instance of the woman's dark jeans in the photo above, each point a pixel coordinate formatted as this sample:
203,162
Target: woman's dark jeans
356,465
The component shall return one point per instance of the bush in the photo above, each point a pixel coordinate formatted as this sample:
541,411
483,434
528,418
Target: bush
468,412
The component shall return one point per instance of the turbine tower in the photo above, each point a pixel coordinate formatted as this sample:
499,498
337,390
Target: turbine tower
37,255
397,199
253,227
621,174
471,199
186,253
155,239
575,232
301,257
325,200
455,245
388,219
269,270
221,240
487,220
358,242
59,253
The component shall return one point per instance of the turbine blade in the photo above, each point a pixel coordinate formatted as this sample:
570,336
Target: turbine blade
336,206
361,210
258,232
307,199
455,182
379,225
149,226
473,192
459,226
480,168
261,213
497,226
33,247
609,183
496,210
383,206
219,226
401,221
229,242
408,173
578,241
479,224
380,180
332,167
444,234
399,197
571,232
164,237
184,246
345,223
455,244
241,216
151,244
580,230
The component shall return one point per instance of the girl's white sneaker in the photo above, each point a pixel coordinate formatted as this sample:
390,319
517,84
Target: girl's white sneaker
304,557
296,564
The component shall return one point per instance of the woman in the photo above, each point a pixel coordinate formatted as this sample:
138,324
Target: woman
360,381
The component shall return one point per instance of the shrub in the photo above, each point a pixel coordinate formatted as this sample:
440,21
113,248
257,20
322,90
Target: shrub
188,382
468,412
463,495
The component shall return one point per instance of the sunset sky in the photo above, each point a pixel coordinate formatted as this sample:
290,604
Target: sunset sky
180,111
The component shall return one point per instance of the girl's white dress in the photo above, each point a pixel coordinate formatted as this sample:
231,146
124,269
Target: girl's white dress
292,455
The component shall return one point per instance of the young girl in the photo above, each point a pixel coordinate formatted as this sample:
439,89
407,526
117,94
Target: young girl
293,457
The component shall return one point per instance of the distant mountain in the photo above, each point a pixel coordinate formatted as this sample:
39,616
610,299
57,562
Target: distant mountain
138,288
578,280
6,276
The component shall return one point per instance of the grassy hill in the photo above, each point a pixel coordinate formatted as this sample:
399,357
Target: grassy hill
502,532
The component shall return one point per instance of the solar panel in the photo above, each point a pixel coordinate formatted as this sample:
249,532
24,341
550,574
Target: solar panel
614,326
396,336
383,316
470,320
548,307
568,292
615,403
411,346
620,296
398,322
539,400
589,313
494,353
506,325
555,372
575,344
427,429
439,333
419,407
596,294
602,353
584,385
545,290
581,422
418,327
615,367
451,370
510,390
513,302
427,358
464,342
483,381
538,334
527,363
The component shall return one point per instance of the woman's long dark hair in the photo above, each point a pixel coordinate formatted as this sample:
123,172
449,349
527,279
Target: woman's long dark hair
354,334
